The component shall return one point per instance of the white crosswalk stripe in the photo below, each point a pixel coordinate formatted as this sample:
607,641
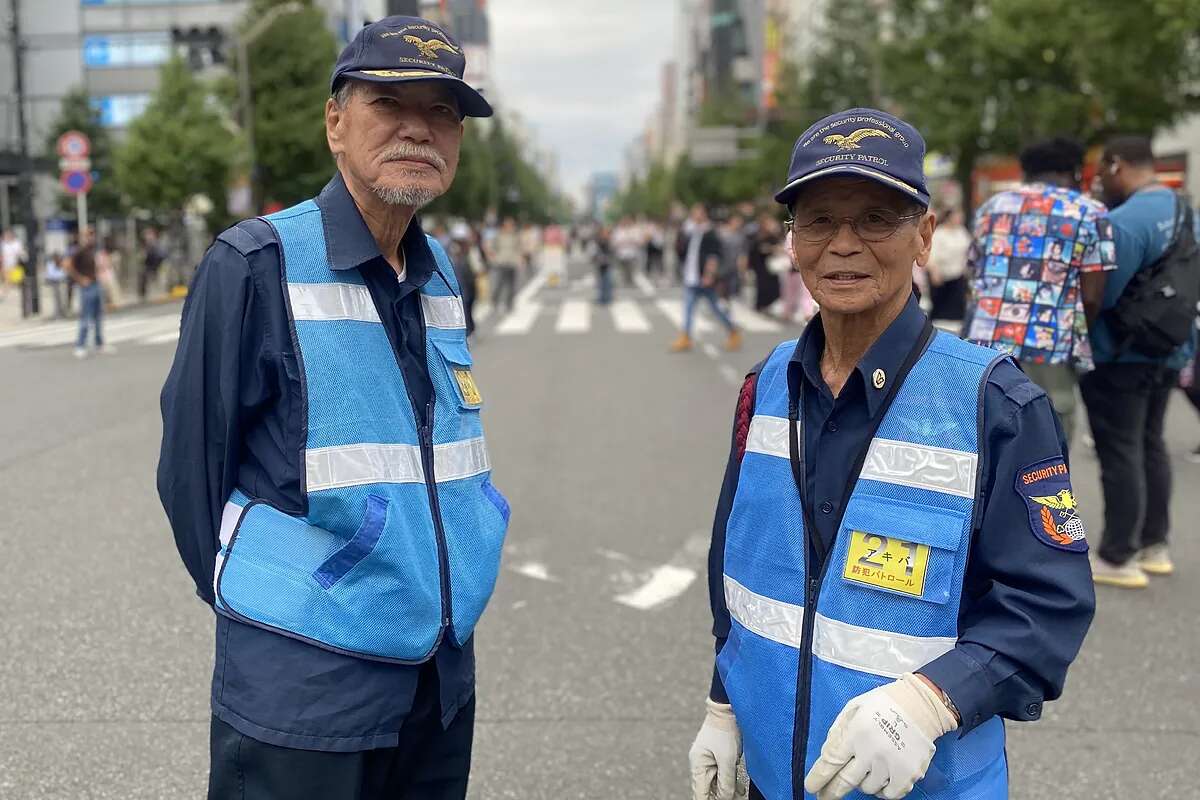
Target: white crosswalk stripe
673,310
628,317
520,320
575,316
138,329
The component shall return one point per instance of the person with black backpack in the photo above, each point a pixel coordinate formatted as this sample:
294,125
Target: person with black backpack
1143,338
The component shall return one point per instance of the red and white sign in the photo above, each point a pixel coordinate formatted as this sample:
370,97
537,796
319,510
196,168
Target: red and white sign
76,182
74,144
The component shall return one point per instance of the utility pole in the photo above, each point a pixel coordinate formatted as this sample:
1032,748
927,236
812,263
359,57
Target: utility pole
31,299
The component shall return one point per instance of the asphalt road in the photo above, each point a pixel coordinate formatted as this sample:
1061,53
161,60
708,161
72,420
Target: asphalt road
594,656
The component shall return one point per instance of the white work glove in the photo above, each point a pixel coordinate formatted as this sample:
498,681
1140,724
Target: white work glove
882,741
714,754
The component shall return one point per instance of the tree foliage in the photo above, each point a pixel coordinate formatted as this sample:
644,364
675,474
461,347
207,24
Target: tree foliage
181,146
289,67
77,114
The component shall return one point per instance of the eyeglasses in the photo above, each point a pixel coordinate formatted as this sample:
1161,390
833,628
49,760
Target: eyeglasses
872,225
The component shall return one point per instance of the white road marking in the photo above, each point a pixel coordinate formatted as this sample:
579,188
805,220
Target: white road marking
753,322
612,555
711,350
119,329
530,289
666,582
520,320
162,338
628,317
673,310
482,312
644,284
535,570
730,374
574,317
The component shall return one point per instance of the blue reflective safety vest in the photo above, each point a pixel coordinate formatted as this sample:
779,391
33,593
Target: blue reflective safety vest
400,543
885,600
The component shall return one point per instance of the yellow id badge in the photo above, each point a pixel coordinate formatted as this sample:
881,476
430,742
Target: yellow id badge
888,563
466,384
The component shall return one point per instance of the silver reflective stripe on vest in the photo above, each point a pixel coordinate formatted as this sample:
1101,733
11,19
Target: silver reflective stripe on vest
359,464
457,460
933,468
769,436
443,312
888,461
851,646
331,301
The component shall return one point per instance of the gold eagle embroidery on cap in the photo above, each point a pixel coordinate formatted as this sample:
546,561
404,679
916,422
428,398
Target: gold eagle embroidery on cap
850,142
429,48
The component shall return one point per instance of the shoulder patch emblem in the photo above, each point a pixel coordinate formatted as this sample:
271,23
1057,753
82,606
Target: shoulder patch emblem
1053,512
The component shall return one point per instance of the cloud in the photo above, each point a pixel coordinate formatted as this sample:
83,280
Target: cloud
584,74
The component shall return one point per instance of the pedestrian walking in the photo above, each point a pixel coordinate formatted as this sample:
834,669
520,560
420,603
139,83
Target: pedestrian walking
108,270
734,251
464,272
602,257
504,253
947,267
554,255
323,463
1127,393
701,259
764,257
152,261
896,554
12,262
57,278
655,242
1038,262
84,271
626,247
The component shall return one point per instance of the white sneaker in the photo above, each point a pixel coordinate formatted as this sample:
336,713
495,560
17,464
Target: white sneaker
108,349
81,352
1156,560
1125,576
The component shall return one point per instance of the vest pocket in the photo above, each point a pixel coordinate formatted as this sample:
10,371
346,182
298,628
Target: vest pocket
901,548
456,361
359,547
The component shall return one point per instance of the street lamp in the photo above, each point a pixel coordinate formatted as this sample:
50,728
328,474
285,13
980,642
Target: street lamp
244,40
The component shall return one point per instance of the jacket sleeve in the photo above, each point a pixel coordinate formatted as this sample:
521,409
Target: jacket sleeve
716,552
200,401
1026,604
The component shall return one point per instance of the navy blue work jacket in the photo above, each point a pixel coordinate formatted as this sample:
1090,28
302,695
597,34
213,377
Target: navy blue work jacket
1026,606
233,415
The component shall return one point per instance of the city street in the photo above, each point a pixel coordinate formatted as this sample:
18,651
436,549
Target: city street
595,654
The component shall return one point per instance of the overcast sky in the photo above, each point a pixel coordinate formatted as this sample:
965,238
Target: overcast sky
583,73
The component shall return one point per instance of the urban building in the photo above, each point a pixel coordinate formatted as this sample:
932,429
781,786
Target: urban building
601,188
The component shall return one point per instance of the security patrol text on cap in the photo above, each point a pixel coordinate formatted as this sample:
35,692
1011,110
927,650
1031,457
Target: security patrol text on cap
864,142
401,49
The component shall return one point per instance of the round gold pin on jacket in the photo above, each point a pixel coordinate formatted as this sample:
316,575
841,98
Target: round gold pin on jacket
879,378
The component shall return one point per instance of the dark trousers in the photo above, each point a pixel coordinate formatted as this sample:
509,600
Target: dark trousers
1126,405
428,763
505,289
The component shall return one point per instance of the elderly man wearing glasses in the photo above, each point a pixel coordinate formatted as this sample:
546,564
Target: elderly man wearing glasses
898,561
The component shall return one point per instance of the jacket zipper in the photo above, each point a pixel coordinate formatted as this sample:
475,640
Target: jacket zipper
436,508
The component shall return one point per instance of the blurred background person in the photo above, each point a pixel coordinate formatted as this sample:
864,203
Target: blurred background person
12,262
554,254
461,244
947,267
1038,262
56,279
601,254
505,256
153,257
655,242
702,254
84,271
108,270
626,247
733,239
531,251
765,257
1127,393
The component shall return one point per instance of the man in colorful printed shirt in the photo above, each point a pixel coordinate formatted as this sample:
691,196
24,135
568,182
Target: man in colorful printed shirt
1038,264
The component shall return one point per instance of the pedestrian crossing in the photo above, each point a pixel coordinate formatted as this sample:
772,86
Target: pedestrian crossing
135,328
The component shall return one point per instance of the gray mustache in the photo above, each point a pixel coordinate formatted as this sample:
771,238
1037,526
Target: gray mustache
416,152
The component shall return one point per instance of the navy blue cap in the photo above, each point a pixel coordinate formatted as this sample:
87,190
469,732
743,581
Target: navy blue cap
402,49
860,142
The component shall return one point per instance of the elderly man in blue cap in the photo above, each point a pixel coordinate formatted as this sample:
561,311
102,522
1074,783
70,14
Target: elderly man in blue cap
323,461
897,559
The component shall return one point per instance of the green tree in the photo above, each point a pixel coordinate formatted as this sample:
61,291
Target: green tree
181,146
289,68
77,114
474,189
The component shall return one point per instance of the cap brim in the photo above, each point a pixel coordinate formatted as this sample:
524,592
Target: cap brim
788,193
470,101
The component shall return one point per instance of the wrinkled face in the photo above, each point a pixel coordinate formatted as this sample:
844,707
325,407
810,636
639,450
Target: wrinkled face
399,140
847,274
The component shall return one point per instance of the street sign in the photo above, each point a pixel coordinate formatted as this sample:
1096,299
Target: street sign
75,165
76,182
74,144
